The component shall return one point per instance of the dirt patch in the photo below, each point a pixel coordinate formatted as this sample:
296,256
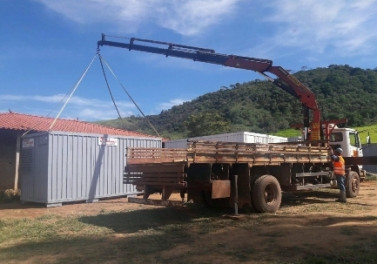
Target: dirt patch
304,208
31,210
307,224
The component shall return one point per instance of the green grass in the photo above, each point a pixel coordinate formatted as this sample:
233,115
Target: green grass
363,133
288,133
184,235
371,176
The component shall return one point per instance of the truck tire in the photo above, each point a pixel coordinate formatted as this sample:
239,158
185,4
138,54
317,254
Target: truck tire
352,184
266,194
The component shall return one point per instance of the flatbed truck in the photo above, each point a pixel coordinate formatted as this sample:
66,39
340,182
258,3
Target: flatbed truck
239,174
228,174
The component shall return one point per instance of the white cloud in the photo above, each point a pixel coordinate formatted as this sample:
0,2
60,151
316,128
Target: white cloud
194,16
77,107
320,24
188,17
171,103
98,114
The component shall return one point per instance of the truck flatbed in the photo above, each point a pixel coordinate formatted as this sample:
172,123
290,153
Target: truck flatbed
211,165
228,152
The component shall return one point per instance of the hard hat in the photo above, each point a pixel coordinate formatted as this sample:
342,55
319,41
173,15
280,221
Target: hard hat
339,150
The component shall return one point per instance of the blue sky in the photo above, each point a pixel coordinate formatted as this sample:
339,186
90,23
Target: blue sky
47,44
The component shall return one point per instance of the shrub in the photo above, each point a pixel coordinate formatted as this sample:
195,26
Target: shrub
9,195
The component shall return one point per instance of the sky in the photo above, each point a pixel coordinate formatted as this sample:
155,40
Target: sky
47,45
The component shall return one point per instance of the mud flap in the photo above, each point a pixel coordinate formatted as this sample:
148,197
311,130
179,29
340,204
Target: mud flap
220,189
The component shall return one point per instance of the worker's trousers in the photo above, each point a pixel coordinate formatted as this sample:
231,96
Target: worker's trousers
340,179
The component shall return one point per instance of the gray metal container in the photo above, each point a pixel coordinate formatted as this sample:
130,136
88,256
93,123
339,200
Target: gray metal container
58,167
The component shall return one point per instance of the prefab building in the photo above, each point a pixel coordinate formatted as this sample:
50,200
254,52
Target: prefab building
59,167
242,137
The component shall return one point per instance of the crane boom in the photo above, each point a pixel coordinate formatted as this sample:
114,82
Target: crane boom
285,80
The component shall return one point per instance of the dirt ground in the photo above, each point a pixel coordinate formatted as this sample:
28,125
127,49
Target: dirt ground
310,220
367,200
33,210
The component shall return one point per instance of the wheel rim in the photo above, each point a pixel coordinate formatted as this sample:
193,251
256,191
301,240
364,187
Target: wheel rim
269,194
355,184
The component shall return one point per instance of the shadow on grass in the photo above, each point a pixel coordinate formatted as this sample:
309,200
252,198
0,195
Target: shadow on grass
20,205
188,235
91,250
133,221
328,196
182,243
309,197
139,236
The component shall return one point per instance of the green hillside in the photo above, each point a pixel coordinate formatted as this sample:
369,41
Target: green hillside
260,106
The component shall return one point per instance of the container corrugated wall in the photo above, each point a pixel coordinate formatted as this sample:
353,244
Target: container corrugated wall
59,167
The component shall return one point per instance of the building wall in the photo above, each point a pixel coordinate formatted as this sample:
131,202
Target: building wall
60,167
8,141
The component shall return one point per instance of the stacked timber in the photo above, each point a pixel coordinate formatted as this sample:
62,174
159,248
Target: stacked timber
155,155
230,152
255,154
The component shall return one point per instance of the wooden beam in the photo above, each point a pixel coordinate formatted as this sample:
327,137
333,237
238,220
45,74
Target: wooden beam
17,163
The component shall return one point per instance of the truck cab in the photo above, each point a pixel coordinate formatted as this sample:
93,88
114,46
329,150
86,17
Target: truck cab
347,139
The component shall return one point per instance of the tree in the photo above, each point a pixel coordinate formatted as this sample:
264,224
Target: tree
203,124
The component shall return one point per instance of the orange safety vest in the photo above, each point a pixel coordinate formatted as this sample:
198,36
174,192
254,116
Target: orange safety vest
339,166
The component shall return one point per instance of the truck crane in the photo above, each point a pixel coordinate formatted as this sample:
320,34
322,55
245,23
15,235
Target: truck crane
240,174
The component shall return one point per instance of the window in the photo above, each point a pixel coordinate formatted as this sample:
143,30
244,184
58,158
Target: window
336,137
354,139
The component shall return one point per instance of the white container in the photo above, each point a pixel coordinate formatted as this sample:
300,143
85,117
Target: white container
241,137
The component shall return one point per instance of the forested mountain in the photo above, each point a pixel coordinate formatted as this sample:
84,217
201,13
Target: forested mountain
260,106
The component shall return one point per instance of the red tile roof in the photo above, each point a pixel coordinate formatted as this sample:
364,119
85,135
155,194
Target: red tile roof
17,121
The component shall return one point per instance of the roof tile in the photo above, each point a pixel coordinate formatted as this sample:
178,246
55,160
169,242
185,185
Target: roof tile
17,121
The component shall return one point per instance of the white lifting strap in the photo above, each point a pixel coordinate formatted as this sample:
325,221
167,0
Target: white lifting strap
72,92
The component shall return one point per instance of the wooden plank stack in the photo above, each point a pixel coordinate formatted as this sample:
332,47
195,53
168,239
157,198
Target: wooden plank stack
230,152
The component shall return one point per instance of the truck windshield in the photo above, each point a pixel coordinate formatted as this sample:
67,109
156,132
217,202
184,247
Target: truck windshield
336,137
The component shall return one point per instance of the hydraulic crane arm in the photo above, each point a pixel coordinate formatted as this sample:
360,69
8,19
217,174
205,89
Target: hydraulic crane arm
286,81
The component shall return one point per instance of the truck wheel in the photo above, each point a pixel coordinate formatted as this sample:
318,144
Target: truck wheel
266,194
352,184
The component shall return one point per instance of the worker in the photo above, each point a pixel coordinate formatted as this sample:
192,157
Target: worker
340,173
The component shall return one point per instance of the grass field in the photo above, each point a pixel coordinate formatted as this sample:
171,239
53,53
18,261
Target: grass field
309,228
367,130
